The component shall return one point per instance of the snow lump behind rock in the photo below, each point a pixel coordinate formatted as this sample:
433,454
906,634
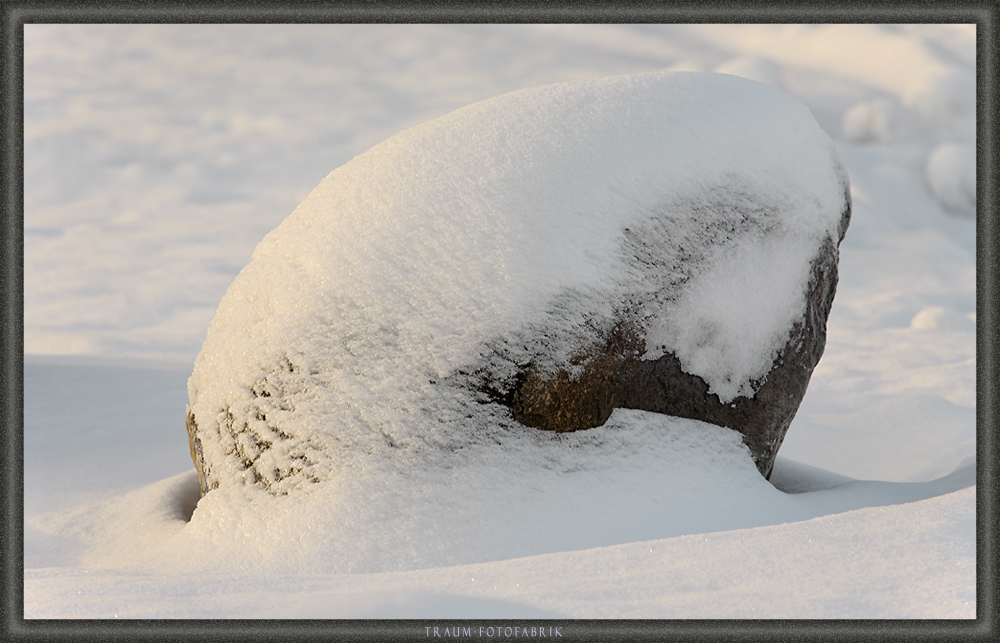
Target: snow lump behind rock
379,326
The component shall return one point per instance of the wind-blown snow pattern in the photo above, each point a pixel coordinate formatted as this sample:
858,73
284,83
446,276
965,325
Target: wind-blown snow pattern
511,232
157,157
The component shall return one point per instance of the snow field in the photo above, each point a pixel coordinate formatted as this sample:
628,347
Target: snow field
151,175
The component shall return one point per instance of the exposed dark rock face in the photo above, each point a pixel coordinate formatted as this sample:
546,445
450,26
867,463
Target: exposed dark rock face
614,375
194,443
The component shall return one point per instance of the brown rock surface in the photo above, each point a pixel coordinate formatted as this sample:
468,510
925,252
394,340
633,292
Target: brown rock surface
614,376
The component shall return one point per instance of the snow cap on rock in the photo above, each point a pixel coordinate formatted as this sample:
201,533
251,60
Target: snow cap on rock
509,232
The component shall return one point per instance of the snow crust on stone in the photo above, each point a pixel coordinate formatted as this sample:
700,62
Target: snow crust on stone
516,231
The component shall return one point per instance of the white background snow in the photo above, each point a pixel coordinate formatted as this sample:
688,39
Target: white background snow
157,156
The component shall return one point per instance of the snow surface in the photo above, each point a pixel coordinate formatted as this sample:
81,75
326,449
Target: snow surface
157,156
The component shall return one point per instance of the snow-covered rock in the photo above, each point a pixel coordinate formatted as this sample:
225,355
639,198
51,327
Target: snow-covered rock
380,329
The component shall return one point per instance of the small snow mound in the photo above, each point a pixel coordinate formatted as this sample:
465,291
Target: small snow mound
947,100
940,318
951,176
877,121
761,70
640,476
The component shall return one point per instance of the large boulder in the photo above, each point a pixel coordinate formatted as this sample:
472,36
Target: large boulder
664,242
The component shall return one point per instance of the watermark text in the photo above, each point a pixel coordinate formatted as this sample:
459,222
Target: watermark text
497,631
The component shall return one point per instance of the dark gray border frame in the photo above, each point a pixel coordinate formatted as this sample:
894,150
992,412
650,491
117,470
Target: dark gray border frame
16,14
